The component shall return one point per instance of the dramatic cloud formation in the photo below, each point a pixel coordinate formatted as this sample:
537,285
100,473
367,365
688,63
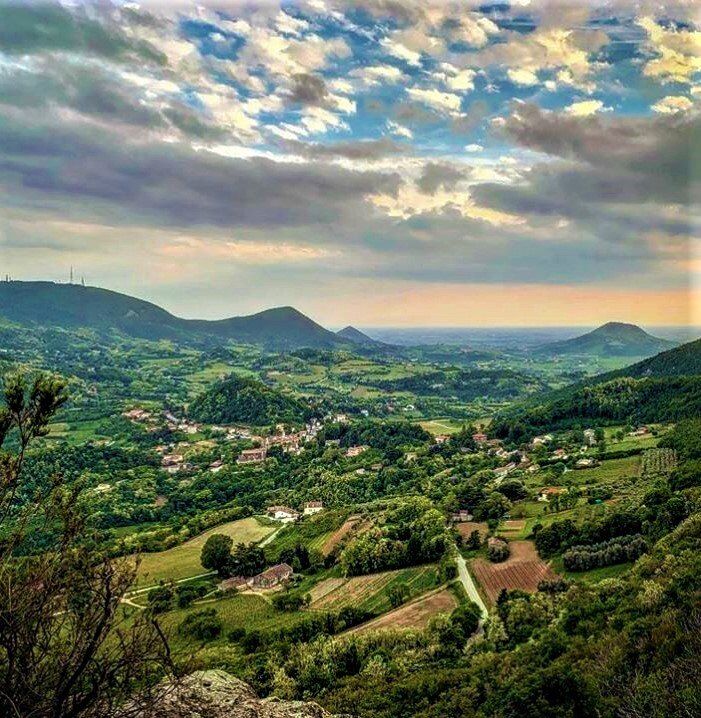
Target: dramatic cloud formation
223,157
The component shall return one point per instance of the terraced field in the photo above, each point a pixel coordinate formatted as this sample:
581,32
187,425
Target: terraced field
370,593
415,614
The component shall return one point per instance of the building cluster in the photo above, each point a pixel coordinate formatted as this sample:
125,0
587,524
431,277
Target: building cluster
285,514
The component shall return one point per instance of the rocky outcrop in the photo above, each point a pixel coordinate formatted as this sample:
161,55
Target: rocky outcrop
217,694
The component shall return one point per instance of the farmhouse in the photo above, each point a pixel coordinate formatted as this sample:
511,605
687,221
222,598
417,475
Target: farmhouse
541,440
461,516
549,492
440,438
355,450
282,513
232,584
251,456
589,437
172,462
585,463
479,438
272,576
313,507
216,466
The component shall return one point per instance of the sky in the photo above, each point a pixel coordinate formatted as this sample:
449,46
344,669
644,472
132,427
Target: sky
372,162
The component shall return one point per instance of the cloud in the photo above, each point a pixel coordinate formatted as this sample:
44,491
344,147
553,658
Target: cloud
442,101
96,175
399,130
378,74
522,77
308,89
585,108
28,29
672,104
546,49
677,52
368,150
615,178
437,176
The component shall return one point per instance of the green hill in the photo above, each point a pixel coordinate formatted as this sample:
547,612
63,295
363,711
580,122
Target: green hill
684,360
73,305
666,387
609,340
236,399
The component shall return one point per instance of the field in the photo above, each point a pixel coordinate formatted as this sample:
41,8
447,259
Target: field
442,426
370,593
237,611
465,528
337,536
314,532
522,570
184,560
415,614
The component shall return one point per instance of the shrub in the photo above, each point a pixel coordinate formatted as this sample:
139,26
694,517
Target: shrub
204,625
498,551
160,598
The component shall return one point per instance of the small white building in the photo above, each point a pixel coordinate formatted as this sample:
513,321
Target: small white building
284,514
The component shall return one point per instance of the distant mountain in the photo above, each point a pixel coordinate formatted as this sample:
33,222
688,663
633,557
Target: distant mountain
666,387
614,339
73,306
355,336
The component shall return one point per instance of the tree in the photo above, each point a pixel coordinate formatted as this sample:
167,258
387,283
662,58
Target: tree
66,650
216,554
160,598
247,560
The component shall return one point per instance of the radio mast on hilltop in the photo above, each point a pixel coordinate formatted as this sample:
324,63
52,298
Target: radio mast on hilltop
71,279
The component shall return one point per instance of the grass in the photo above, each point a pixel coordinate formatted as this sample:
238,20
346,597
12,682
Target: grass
236,611
442,426
184,561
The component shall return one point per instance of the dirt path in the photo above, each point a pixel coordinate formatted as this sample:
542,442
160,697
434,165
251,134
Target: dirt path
471,589
270,537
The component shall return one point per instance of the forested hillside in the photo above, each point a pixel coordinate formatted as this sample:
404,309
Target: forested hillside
237,399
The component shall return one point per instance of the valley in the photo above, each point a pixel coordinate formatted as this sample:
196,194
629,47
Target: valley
364,508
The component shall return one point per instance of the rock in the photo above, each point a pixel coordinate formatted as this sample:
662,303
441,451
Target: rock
217,694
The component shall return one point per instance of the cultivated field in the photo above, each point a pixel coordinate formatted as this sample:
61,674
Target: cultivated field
370,592
349,525
523,570
415,614
184,560
465,528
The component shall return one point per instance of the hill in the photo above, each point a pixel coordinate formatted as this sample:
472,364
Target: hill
666,387
355,336
73,305
684,360
236,399
611,339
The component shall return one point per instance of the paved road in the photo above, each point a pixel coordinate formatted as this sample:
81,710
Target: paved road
471,589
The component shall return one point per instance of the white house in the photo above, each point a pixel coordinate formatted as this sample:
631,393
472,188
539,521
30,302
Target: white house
283,514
